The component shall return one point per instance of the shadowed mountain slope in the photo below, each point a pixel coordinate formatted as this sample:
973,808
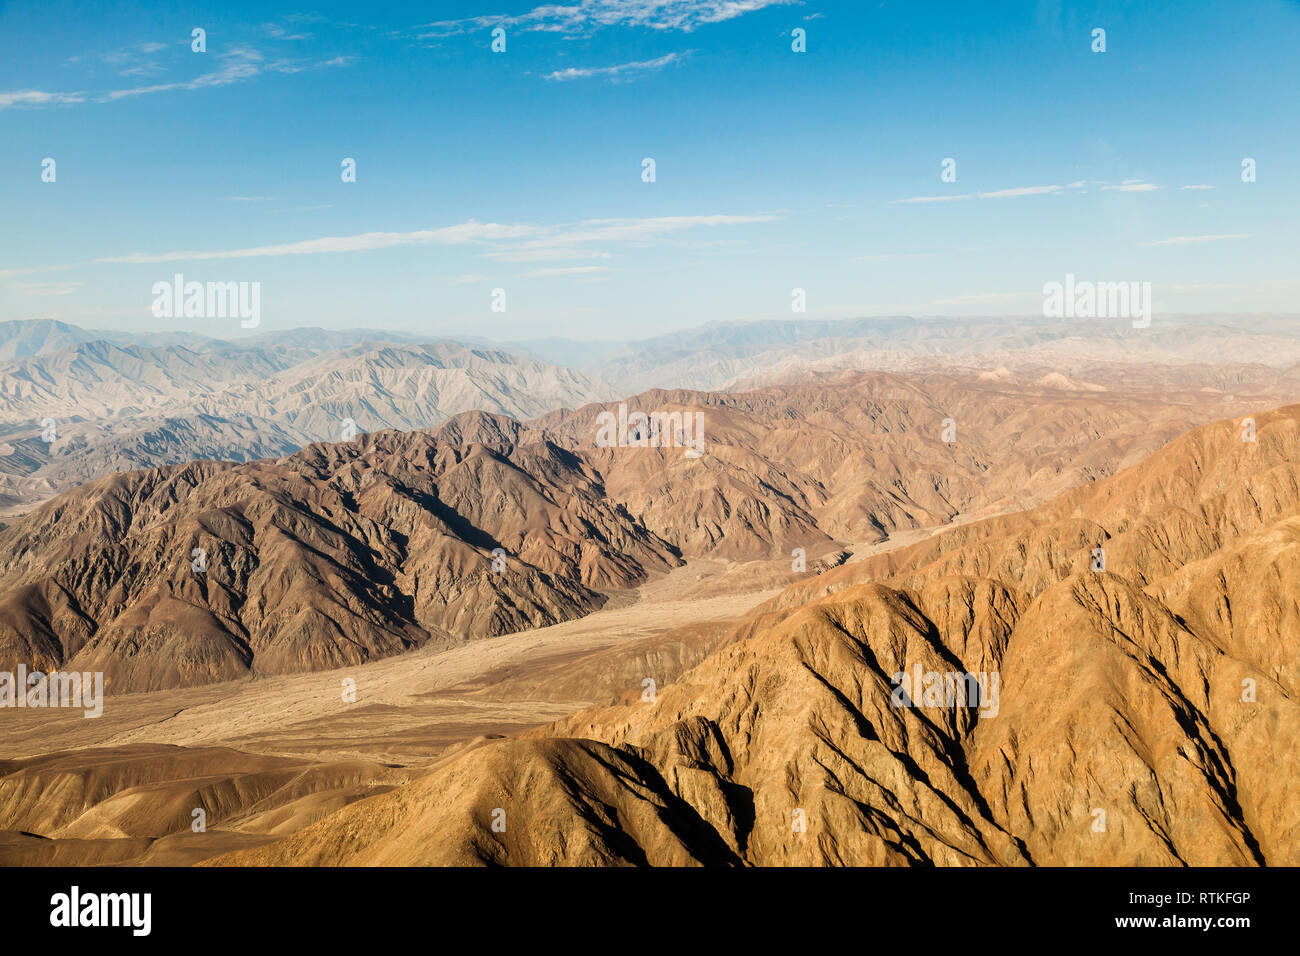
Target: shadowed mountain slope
333,556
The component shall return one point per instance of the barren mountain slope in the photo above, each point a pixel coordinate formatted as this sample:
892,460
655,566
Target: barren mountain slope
1139,718
1189,500
139,803
867,456
32,469
336,555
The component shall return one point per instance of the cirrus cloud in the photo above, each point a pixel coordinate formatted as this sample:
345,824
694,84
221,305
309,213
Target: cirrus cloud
1189,240
520,238
588,16
642,66
38,98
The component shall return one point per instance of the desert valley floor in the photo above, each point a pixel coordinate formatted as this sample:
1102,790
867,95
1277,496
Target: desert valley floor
411,709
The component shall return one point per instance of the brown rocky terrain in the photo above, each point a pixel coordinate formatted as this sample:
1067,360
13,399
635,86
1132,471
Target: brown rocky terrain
350,551
863,457
143,799
1142,715
1137,716
336,555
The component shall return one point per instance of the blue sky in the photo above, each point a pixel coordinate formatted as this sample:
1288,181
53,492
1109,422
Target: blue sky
522,170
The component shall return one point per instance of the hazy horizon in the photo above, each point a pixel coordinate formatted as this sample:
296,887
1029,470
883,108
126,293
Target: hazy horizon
236,335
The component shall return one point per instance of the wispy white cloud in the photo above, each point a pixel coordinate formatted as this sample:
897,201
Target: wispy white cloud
587,16
38,98
45,288
633,230
238,64
642,66
994,194
1131,186
529,237
546,254
567,271
561,242
10,273
1196,186
465,232
1020,191
136,60
1187,240
140,49
241,63
234,64
278,32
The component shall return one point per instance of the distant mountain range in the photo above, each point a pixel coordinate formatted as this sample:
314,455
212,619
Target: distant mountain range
729,355
120,400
